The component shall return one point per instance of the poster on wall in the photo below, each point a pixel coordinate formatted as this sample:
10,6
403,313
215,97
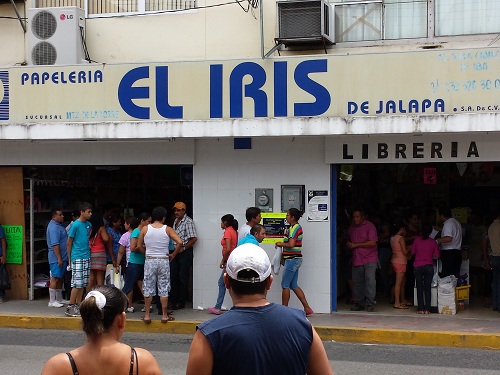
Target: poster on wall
275,224
317,205
14,238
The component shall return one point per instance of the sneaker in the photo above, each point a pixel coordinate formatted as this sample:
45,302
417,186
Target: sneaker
63,301
213,310
73,310
130,309
150,308
55,304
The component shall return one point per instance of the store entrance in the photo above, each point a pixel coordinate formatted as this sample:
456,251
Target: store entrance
393,193
112,190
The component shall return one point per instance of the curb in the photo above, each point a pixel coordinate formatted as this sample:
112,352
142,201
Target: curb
409,337
327,333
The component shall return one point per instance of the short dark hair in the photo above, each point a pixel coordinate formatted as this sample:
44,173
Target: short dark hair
256,229
426,231
132,221
252,213
242,288
54,212
84,206
96,321
158,213
444,211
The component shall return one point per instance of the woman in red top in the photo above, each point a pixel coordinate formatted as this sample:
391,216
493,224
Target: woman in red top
98,239
228,242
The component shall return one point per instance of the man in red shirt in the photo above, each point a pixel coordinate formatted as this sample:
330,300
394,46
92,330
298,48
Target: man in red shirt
363,239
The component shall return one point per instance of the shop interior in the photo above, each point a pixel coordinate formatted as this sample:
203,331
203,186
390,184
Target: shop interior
123,190
391,193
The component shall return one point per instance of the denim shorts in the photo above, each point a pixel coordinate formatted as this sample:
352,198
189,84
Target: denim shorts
135,272
291,273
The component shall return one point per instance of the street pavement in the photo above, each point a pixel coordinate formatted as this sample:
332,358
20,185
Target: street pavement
475,327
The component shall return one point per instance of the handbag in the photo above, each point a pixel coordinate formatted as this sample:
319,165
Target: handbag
4,278
276,262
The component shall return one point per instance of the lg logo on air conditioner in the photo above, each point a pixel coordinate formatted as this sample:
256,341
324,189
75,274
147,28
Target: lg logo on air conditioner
63,17
4,95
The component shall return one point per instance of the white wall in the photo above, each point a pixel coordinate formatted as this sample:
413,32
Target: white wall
224,182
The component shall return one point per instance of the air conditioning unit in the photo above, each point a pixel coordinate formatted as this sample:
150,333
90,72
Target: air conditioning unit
55,36
305,22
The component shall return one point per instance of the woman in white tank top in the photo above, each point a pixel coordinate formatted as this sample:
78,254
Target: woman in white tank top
154,240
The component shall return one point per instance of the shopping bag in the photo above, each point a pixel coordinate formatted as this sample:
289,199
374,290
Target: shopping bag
4,278
112,278
447,285
276,262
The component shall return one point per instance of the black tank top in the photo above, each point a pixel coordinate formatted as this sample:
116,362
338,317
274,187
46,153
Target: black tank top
131,372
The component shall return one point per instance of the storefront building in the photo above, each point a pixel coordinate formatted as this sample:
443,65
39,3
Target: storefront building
247,124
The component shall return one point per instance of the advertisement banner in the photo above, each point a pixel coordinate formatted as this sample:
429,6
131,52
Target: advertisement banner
399,83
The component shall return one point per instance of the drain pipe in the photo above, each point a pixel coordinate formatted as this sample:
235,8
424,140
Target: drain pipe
262,54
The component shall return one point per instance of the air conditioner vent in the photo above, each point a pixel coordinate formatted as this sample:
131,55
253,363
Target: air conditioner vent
304,22
44,25
56,36
44,53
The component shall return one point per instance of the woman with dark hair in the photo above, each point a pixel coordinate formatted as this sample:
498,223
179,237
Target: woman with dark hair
229,241
103,320
424,248
135,262
115,232
292,254
98,240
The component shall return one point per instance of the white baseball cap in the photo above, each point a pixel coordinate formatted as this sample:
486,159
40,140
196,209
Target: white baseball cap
248,257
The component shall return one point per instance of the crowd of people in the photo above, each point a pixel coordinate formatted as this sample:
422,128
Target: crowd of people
389,258
94,242
221,345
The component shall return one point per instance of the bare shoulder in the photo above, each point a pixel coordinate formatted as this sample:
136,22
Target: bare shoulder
147,362
58,364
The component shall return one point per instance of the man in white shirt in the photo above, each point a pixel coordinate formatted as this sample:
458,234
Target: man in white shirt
451,243
253,217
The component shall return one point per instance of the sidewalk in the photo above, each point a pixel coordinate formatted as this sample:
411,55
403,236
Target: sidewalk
476,327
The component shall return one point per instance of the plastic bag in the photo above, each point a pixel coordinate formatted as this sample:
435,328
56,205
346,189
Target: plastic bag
4,278
447,285
276,262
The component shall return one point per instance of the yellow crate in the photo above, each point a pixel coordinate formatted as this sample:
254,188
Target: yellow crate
462,292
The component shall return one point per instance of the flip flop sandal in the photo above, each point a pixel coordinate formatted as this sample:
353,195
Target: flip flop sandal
402,307
169,319
147,321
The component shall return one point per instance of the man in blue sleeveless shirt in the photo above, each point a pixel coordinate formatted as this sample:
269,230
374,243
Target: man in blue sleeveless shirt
255,337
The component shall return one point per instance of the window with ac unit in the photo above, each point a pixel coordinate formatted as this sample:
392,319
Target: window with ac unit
96,8
370,20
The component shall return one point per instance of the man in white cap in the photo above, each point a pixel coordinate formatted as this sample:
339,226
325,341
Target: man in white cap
255,337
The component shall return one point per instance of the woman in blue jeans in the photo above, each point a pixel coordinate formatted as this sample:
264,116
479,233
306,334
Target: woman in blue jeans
292,254
424,249
229,241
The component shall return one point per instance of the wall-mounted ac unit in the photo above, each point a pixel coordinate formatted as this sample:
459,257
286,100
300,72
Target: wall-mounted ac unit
55,36
305,22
